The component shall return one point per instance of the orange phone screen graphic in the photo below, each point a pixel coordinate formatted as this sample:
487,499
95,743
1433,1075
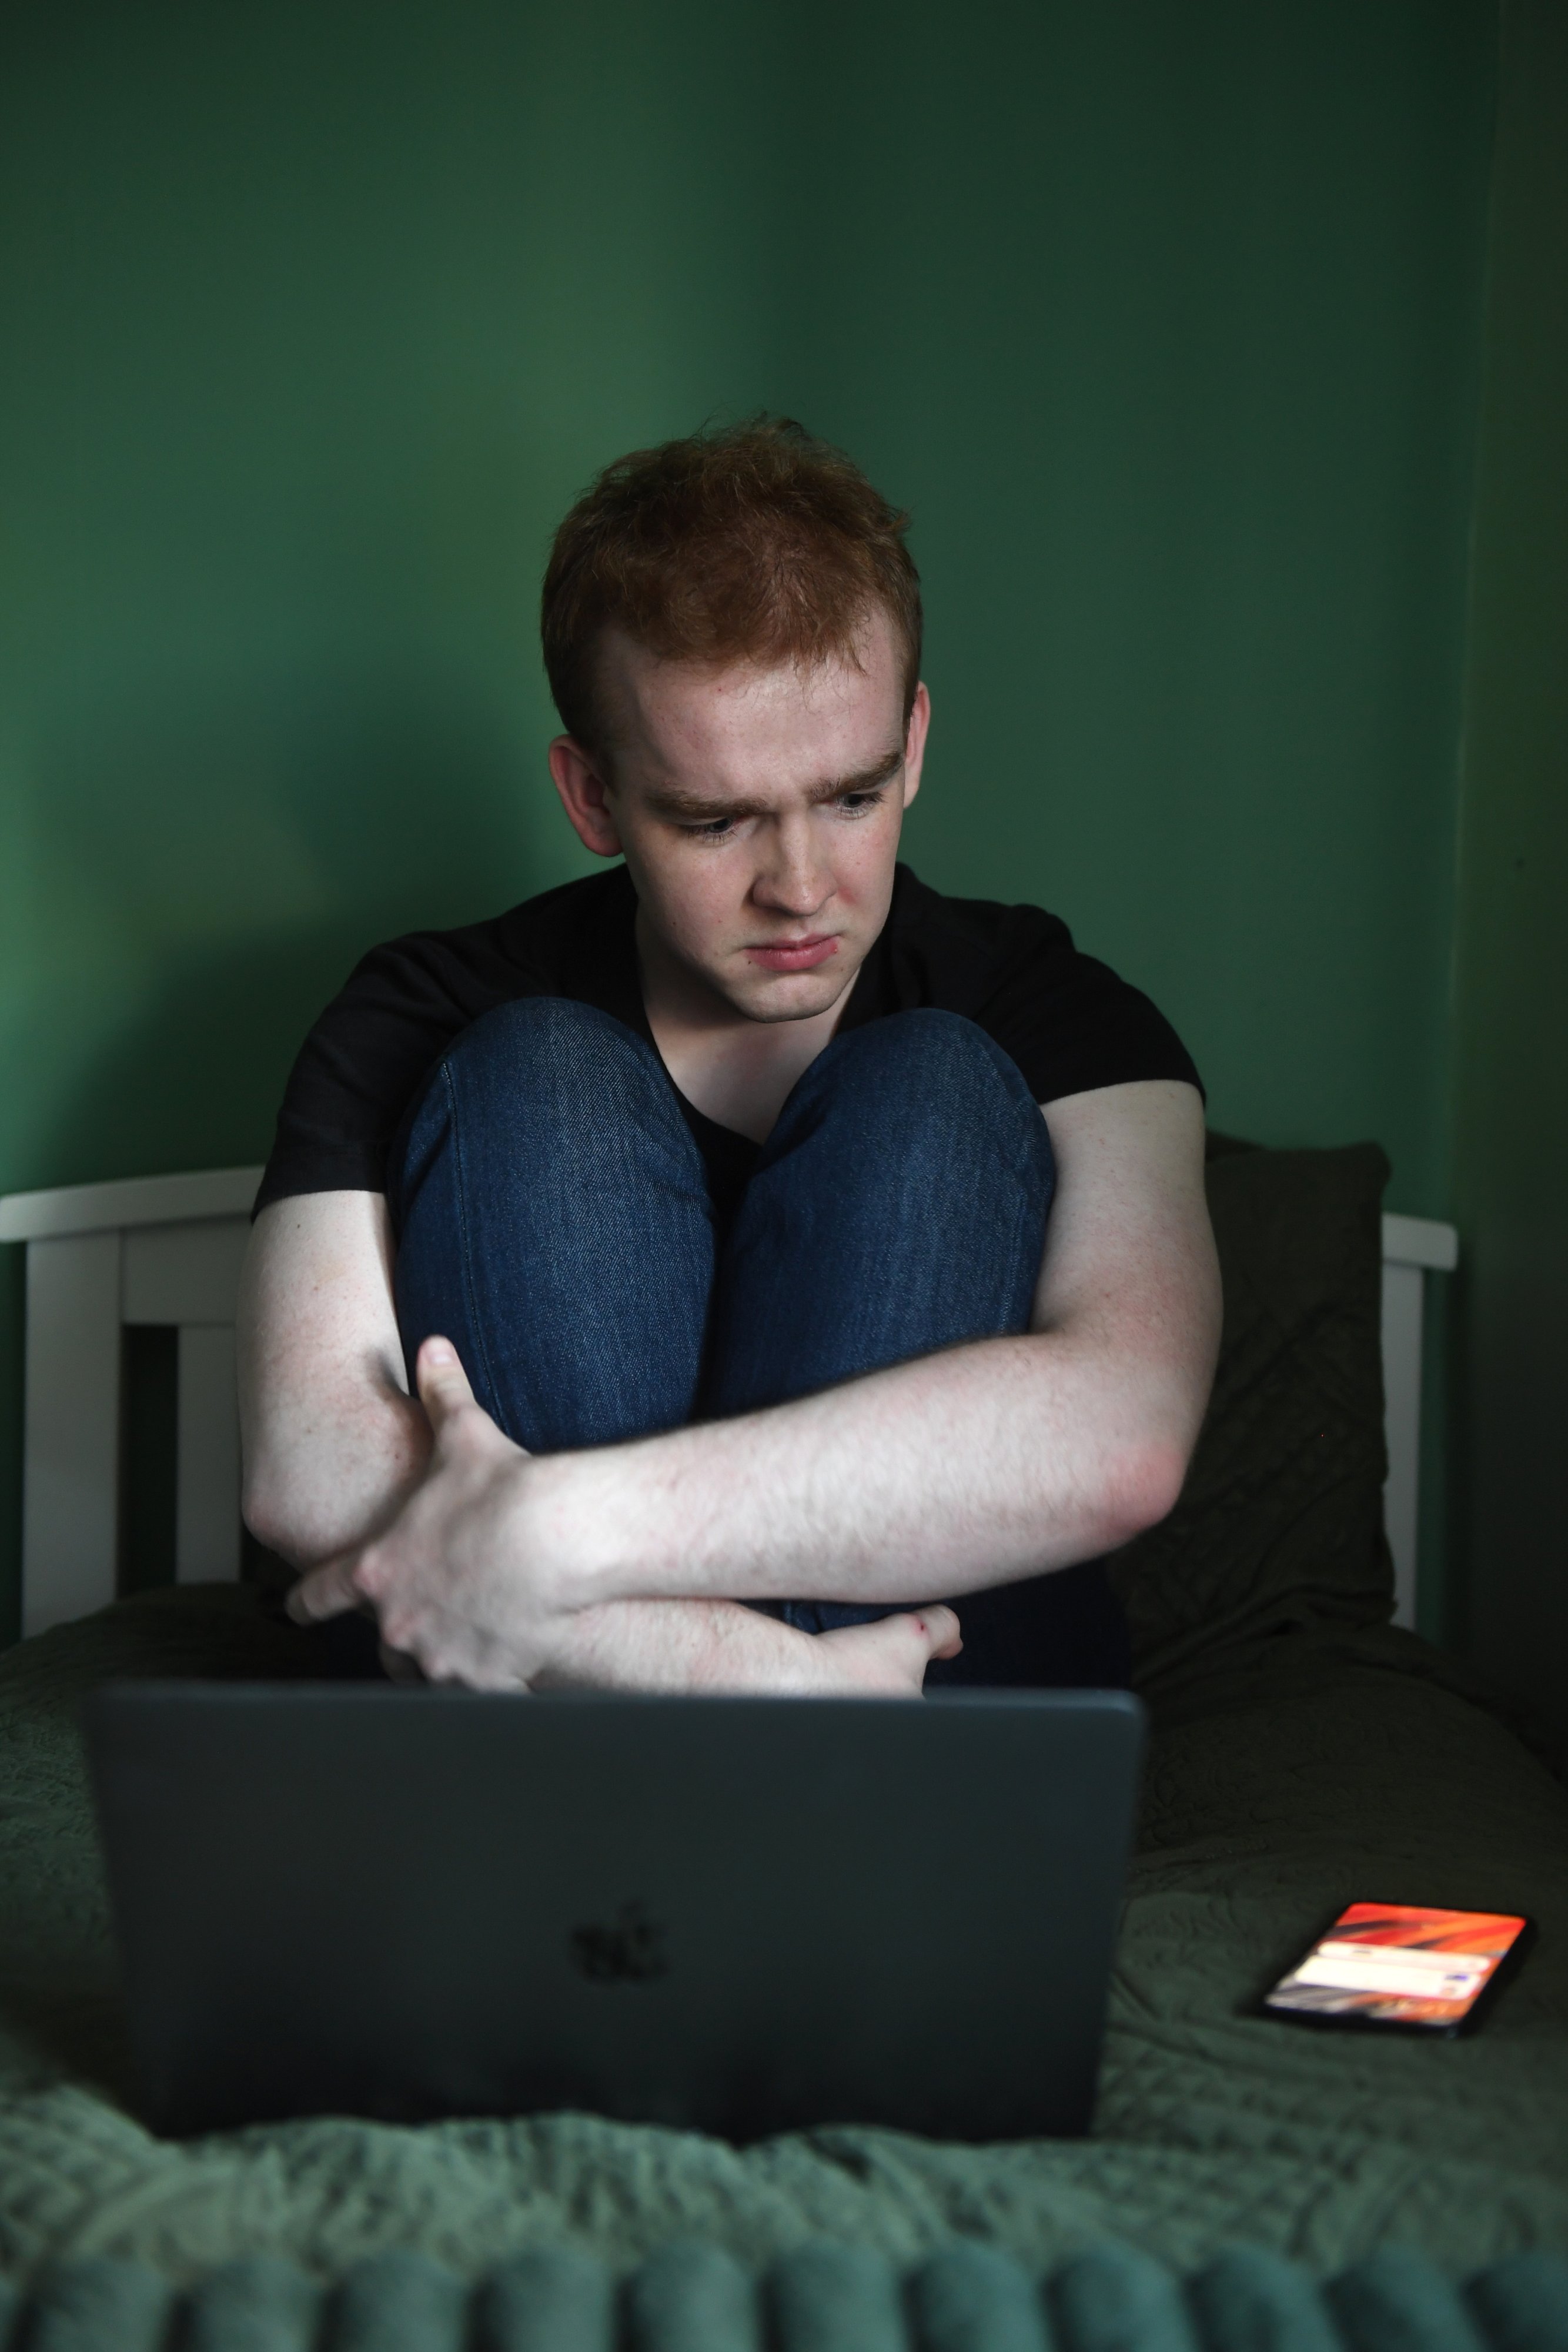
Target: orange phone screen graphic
1399,1963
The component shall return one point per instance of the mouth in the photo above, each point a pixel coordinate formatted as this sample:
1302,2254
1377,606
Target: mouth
794,955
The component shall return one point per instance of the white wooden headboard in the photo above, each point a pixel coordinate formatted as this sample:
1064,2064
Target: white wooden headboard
162,1250
166,1250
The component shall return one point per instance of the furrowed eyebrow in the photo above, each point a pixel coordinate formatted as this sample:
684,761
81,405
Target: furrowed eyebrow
694,809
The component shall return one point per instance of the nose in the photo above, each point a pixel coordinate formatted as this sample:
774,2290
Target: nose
794,877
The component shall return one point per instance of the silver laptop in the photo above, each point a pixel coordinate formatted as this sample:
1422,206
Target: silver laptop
739,1915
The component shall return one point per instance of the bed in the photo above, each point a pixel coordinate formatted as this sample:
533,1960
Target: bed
1245,2186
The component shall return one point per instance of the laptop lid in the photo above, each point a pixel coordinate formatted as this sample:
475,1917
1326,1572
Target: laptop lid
737,1915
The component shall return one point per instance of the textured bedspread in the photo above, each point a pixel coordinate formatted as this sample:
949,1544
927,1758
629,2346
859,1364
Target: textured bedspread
1290,1776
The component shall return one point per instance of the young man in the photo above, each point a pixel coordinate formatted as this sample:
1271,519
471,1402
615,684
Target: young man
704,1204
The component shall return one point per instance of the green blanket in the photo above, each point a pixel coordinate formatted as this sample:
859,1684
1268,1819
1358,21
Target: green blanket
1294,1772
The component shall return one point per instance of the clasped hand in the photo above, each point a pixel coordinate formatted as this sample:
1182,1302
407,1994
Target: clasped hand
473,1582
442,1577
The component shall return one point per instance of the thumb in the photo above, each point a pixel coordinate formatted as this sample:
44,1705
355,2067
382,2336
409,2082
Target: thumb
442,1383
326,1591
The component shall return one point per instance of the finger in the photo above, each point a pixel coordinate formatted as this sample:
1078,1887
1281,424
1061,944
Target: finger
441,1380
327,1591
939,1626
889,1655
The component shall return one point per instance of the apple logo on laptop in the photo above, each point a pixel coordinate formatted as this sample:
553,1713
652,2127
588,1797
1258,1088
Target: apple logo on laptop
632,1951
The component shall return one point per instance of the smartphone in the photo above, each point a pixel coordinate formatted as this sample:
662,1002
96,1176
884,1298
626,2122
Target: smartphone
1392,1964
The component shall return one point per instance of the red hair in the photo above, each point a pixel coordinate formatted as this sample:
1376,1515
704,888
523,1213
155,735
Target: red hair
754,542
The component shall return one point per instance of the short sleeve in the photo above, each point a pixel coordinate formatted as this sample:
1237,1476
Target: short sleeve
1069,1023
368,1057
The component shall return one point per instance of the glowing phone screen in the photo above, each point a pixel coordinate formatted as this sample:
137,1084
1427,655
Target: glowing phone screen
1402,1965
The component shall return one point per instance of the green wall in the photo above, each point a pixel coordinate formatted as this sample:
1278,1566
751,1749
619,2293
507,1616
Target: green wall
1163,318
1511,951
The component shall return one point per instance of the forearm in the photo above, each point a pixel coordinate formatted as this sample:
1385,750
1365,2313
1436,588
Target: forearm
934,1478
320,1481
671,1645
720,1646
332,1443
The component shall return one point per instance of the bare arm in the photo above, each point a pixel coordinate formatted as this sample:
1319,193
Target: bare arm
334,1447
956,1472
332,1441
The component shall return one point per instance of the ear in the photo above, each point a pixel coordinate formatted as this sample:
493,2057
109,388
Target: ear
914,742
584,796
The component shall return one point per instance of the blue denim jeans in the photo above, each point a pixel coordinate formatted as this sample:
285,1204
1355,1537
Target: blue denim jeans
555,1222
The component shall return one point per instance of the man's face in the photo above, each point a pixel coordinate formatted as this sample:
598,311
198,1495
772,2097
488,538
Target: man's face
758,810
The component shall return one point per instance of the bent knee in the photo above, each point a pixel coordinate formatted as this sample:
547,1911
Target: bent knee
943,1056
541,1029
928,1077
550,1058
526,1078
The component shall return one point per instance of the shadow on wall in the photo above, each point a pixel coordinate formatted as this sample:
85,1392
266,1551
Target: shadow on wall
242,863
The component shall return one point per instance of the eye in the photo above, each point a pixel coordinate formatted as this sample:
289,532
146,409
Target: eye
860,803
716,829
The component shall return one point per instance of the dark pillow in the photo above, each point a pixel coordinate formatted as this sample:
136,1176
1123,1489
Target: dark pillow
1280,1521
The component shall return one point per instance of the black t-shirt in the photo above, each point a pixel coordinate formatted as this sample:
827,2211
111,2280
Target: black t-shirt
1067,1020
